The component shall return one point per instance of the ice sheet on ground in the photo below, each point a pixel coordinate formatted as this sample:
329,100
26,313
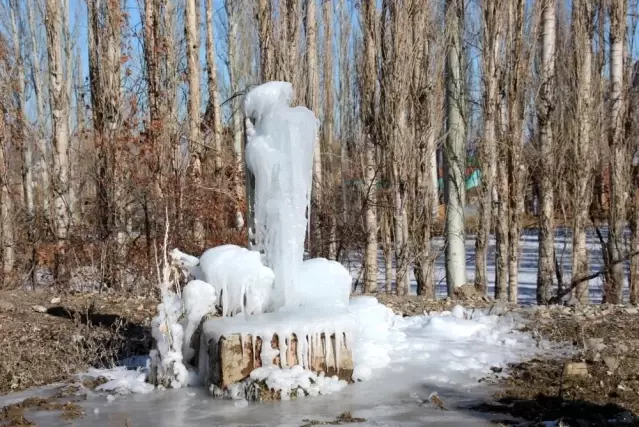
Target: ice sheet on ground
120,380
444,353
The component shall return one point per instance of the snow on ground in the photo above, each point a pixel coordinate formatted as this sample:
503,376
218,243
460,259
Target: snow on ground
528,261
403,361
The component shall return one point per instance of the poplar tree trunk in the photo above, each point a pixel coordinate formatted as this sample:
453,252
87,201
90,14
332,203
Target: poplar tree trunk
312,102
583,28
233,17
20,95
491,11
619,156
72,148
512,121
60,113
6,207
214,97
265,36
38,89
193,109
455,152
546,267
370,165
332,183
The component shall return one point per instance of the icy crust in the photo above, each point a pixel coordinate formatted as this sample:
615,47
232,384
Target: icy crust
279,153
242,283
307,326
198,298
167,365
120,380
297,379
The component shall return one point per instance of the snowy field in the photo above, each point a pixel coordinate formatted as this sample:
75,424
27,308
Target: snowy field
528,261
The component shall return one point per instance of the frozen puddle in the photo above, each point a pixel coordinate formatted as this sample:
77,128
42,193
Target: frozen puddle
401,361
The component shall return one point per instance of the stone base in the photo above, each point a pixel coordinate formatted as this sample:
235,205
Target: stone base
230,359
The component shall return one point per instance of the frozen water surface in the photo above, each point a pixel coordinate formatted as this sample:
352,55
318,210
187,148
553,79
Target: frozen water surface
409,358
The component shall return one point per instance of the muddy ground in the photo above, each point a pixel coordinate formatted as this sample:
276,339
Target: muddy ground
46,338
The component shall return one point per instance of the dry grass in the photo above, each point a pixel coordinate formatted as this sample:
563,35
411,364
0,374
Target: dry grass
81,331
608,343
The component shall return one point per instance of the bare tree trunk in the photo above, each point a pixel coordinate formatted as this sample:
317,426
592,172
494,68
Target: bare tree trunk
6,207
513,115
72,148
195,142
502,236
214,97
492,23
370,168
60,113
455,151
312,102
293,24
233,16
265,37
332,183
38,88
19,90
634,261
583,32
546,268
619,156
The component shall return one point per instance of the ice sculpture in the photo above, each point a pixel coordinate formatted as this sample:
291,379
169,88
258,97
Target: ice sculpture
269,290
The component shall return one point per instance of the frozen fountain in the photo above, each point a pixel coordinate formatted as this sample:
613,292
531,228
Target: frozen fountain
285,326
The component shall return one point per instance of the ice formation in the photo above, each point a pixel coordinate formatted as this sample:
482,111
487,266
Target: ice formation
279,153
166,364
242,283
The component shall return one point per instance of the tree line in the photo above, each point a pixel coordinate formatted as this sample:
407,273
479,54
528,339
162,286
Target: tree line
117,112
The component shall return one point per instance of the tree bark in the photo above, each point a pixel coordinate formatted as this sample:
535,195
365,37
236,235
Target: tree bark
60,113
583,28
193,109
20,95
455,152
370,168
214,96
491,11
265,36
6,206
312,102
332,183
38,89
233,17
546,267
619,156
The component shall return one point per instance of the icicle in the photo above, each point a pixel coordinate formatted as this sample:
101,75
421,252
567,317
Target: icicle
253,343
338,347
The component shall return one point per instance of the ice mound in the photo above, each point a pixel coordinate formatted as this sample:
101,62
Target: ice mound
297,379
242,283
